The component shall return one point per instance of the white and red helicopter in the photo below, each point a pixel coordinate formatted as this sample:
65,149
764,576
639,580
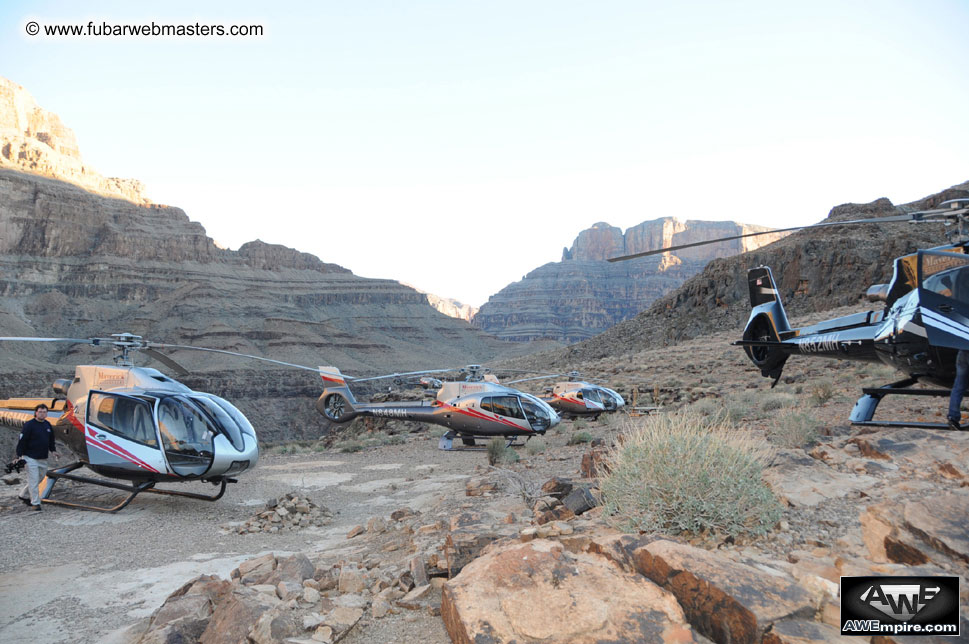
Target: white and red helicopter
140,426
574,398
477,407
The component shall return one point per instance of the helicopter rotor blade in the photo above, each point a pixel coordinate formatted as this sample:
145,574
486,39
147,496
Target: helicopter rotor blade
400,375
165,360
239,355
877,220
94,341
545,377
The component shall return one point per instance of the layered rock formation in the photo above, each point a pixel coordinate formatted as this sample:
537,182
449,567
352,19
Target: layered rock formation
78,264
36,141
583,294
816,270
448,305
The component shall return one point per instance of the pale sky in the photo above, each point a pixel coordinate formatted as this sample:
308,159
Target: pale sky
458,145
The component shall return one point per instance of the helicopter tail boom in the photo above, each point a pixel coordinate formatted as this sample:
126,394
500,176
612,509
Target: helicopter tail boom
767,324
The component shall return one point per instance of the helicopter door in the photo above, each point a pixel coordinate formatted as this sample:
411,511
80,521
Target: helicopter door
944,298
186,436
121,434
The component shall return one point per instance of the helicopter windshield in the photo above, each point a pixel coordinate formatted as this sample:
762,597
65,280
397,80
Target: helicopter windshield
227,419
946,274
186,435
536,414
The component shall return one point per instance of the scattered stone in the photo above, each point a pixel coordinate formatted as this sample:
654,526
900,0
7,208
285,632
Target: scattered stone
355,531
290,512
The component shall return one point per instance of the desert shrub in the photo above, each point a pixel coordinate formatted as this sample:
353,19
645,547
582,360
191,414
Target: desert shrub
793,429
579,423
496,448
579,437
349,446
535,446
706,407
822,392
773,402
682,473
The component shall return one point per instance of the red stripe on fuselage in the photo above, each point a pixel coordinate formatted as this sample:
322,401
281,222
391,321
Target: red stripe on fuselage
474,413
117,450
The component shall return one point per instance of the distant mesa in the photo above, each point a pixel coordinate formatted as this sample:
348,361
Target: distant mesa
583,295
448,305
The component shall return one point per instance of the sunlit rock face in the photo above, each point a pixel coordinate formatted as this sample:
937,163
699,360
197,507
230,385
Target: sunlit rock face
83,256
583,294
36,141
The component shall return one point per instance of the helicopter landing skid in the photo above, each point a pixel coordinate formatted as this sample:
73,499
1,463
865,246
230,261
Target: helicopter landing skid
446,442
864,410
134,489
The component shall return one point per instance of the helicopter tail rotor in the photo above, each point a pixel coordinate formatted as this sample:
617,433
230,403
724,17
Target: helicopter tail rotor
336,403
767,322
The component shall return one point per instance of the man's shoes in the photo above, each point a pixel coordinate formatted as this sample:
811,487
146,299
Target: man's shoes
35,508
25,501
954,424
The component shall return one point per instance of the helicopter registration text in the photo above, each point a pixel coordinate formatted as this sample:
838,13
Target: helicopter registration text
819,344
390,413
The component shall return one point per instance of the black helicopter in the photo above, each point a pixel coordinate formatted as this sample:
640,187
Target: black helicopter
476,407
138,425
924,321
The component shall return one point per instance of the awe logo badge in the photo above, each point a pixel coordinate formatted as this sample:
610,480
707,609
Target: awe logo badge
901,601
899,605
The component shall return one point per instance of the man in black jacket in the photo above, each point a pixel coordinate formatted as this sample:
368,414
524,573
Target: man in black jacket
36,441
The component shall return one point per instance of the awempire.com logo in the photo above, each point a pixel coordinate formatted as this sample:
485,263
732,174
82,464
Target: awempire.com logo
900,606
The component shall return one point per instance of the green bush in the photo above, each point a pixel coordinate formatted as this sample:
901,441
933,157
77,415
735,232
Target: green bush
793,429
579,423
579,437
682,473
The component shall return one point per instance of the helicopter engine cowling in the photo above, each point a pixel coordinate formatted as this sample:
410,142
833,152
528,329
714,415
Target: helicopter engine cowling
336,407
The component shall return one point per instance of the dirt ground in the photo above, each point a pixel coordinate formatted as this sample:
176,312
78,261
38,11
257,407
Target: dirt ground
76,576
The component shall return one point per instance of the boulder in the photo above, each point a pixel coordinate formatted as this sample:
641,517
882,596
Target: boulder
538,591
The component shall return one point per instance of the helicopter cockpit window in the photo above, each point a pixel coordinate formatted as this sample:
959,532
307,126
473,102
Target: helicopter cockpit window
591,394
186,435
486,404
946,274
129,418
507,406
536,414
226,422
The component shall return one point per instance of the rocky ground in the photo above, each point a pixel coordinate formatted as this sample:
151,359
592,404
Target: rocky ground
400,519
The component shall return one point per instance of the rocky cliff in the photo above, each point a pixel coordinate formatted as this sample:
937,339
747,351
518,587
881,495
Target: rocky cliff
448,305
36,141
80,260
583,295
816,270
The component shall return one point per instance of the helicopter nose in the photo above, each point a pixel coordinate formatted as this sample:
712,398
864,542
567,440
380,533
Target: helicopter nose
555,420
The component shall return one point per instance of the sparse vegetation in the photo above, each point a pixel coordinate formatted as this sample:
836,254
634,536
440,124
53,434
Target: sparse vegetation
773,402
579,423
682,473
822,392
366,440
535,446
499,454
579,437
793,429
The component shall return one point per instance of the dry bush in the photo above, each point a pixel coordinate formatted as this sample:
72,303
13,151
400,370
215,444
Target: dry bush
775,401
683,473
822,392
535,446
793,429
579,437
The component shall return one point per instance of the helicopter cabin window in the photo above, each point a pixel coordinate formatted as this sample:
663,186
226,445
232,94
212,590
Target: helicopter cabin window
126,417
506,406
590,394
186,435
946,274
